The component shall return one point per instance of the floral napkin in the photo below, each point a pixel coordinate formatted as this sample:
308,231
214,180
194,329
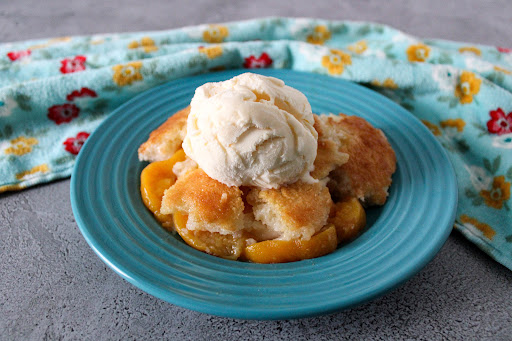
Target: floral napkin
55,92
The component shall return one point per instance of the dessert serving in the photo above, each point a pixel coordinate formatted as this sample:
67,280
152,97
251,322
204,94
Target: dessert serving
248,172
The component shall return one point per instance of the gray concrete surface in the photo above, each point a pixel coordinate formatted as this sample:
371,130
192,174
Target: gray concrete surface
53,287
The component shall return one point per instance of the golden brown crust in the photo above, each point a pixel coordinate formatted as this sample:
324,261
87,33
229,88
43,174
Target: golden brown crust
372,161
329,154
164,141
297,211
209,204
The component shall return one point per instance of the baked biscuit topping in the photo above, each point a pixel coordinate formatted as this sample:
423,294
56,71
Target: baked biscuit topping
210,205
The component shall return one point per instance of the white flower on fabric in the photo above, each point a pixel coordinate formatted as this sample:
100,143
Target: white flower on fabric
474,230
450,132
404,38
445,76
374,53
25,60
196,32
97,39
4,145
477,64
507,58
6,106
301,25
479,177
503,141
312,53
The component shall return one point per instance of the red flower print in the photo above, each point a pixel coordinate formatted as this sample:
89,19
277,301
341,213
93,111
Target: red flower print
74,144
504,49
500,123
63,113
70,65
84,92
261,62
15,55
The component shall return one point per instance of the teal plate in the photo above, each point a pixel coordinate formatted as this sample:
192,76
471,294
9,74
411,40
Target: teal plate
400,239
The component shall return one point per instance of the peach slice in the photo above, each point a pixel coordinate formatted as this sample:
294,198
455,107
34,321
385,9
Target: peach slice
283,251
349,218
154,180
216,244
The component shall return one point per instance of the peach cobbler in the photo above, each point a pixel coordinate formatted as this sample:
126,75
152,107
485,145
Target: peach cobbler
248,172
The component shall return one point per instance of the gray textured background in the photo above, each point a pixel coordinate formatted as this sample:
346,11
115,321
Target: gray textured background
52,285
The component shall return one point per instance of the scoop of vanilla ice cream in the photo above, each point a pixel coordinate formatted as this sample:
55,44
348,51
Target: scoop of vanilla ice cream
251,130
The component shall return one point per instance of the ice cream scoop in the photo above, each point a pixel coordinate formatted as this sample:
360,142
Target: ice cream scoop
251,130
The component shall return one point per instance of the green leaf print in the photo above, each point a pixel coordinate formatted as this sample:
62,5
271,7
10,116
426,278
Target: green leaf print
453,103
148,69
470,193
444,98
496,164
478,201
364,30
508,238
22,101
45,54
379,29
408,106
462,145
135,55
100,105
509,173
492,168
7,131
487,165
197,61
496,77
110,88
4,65
339,29
445,58
63,160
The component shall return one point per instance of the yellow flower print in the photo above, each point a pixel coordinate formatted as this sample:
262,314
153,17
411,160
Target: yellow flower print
432,127
486,229
126,74
499,193
388,83
97,41
335,62
500,69
319,35
471,49
15,187
358,47
454,123
418,53
50,42
59,40
146,43
37,169
211,52
21,145
469,85
215,34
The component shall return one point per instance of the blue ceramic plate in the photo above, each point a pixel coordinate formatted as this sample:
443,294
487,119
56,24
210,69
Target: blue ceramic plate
401,237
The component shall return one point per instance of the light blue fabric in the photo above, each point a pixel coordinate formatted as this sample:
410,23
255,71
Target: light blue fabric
54,92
